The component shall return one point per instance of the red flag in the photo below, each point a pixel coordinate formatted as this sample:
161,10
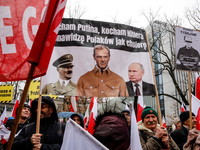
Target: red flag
3,118
86,117
197,90
15,108
15,66
93,116
164,123
19,23
198,120
73,107
182,107
45,39
139,108
195,110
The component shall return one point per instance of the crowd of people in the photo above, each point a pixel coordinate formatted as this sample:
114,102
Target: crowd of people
112,129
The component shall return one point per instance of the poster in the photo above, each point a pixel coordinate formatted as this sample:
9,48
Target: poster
187,49
74,53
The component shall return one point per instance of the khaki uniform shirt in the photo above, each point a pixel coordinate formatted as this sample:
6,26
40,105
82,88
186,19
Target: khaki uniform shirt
56,89
97,84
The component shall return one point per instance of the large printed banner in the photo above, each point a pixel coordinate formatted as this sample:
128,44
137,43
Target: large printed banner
19,22
187,49
112,70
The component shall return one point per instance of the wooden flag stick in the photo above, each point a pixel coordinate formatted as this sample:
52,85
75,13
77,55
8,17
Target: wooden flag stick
157,98
39,110
189,86
21,105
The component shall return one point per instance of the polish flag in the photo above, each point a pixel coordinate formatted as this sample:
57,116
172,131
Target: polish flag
13,113
93,115
135,139
86,118
182,107
163,121
140,108
197,90
73,107
3,118
196,110
29,102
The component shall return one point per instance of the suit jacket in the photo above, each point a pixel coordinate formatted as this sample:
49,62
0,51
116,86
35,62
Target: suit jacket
180,136
148,89
56,89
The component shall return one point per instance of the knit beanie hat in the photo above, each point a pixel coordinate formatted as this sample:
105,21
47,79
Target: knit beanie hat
148,110
185,115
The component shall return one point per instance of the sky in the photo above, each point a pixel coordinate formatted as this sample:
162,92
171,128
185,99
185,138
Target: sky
106,10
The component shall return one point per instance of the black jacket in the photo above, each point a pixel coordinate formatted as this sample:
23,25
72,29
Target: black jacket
180,136
148,89
52,131
51,139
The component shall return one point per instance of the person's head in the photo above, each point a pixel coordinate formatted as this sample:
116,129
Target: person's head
185,119
48,108
177,123
135,72
101,56
64,66
188,40
25,111
126,113
78,119
112,131
149,118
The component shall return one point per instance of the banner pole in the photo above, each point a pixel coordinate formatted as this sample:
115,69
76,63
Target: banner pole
39,109
157,98
189,87
21,105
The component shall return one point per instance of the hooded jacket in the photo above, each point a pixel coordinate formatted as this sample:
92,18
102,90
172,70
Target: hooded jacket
51,129
148,142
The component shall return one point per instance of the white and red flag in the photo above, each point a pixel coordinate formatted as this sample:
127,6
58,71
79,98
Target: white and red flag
93,115
86,117
3,118
197,89
182,107
19,21
196,110
13,113
73,107
74,133
135,139
163,121
140,108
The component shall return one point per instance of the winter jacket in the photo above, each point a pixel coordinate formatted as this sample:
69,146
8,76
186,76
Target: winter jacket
51,139
148,142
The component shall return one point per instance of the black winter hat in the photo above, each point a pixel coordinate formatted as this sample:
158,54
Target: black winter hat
185,115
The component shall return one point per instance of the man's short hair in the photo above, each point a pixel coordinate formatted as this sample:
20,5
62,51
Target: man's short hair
141,66
100,47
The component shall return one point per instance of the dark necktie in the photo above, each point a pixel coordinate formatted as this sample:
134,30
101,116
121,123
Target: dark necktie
137,90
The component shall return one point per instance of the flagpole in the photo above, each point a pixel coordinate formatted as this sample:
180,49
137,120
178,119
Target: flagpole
189,84
39,109
21,105
157,99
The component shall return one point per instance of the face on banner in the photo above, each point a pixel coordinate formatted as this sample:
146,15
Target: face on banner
106,60
187,49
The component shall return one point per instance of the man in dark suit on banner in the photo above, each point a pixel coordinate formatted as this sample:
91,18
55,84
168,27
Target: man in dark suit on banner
136,86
